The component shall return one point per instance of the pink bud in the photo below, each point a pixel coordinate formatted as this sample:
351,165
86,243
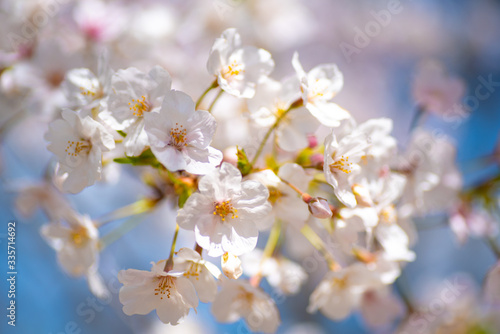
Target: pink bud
312,140
316,158
320,208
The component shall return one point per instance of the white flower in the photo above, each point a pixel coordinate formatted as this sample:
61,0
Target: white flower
238,68
78,143
231,266
342,157
84,89
435,91
340,292
76,244
170,293
282,274
376,190
272,99
180,136
134,94
43,196
318,87
99,21
434,180
198,271
226,213
238,299
287,205
380,307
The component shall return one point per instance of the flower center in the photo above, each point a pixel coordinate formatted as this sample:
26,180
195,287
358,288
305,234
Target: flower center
178,136
388,215
342,165
138,107
225,208
165,284
232,70
75,148
245,296
80,237
274,194
341,283
194,270
93,92
317,90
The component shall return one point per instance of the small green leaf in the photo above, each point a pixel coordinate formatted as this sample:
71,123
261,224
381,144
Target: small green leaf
121,133
244,165
146,158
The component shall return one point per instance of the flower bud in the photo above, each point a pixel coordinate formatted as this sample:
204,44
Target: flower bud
320,208
231,265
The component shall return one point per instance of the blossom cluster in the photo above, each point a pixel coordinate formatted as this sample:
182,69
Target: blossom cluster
312,177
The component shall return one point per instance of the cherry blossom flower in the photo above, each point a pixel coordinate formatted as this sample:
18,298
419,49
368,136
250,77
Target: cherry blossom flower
433,177
342,157
44,196
100,21
199,272
77,244
84,89
134,94
282,274
287,205
435,91
180,136
272,99
380,307
78,143
169,293
226,213
319,86
467,220
340,292
238,68
238,299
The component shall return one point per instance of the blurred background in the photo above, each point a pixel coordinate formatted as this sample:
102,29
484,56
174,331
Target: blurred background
379,60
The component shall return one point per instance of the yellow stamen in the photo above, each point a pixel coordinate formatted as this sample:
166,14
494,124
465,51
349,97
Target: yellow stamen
139,106
165,284
75,148
178,136
342,165
232,70
225,208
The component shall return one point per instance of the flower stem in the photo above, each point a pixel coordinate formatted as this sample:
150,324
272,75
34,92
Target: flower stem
214,101
318,243
133,209
120,231
291,186
200,99
296,104
170,262
271,244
